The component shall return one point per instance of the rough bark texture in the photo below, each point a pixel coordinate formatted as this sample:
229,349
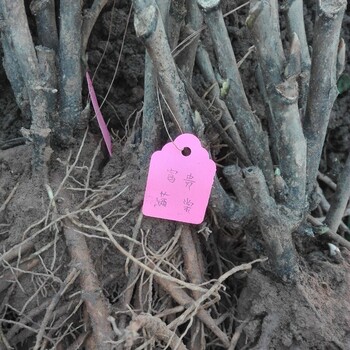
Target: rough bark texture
70,69
323,85
282,95
149,26
45,16
295,20
236,100
96,304
20,39
276,224
340,198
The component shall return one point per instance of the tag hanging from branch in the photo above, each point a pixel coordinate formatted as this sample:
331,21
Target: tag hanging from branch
179,181
101,122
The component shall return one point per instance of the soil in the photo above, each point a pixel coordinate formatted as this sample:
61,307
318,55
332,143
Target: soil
314,314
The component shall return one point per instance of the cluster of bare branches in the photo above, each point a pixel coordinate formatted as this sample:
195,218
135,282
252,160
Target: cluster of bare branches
46,77
168,298
278,185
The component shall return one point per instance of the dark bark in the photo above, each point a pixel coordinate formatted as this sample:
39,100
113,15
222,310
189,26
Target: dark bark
45,17
340,198
323,84
20,39
70,68
13,73
295,20
249,127
282,98
149,26
177,13
276,224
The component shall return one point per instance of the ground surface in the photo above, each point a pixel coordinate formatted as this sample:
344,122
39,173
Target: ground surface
314,315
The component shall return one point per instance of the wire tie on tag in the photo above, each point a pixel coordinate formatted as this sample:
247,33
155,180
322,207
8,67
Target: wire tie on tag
162,115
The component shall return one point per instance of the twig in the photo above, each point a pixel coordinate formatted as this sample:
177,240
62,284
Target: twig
68,282
237,334
177,13
77,344
187,57
340,198
5,281
20,39
17,251
135,232
325,207
233,140
182,297
327,180
234,175
151,116
330,233
7,200
31,329
145,267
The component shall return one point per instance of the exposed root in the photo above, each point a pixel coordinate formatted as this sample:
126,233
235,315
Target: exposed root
156,328
68,282
96,303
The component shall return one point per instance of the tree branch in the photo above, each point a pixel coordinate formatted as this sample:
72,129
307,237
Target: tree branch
89,20
151,116
13,73
19,37
339,199
187,56
177,13
149,26
248,125
282,95
70,84
276,224
207,70
45,17
323,89
295,20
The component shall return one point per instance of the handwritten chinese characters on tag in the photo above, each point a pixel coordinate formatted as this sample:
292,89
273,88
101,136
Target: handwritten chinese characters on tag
179,184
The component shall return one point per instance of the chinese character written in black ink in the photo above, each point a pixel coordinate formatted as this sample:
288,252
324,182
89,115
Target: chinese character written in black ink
189,181
187,205
171,175
162,200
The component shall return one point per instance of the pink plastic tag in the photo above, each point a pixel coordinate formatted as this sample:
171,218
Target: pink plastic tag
178,186
100,120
